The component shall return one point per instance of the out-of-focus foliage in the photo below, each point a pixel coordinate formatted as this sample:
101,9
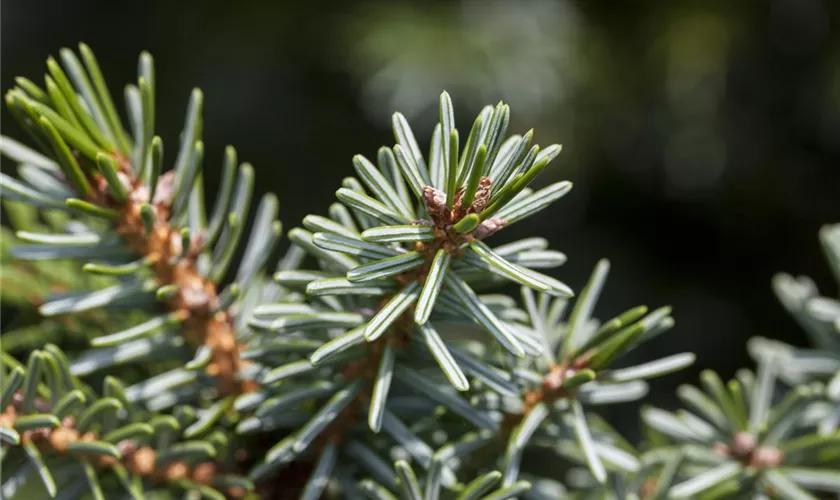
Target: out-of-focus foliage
524,52
26,285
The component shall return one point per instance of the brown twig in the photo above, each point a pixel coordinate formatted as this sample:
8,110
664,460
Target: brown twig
196,300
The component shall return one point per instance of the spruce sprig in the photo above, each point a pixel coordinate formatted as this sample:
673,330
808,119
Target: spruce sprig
59,435
748,437
131,220
400,257
545,401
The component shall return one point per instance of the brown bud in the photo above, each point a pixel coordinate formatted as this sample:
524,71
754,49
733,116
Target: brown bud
488,228
61,437
142,461
204,473
742,444
435,202
482,196
176,470
194,296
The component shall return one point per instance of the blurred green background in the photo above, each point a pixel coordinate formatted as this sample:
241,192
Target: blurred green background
702,136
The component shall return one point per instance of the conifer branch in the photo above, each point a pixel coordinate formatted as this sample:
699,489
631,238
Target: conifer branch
93,169
48,414
389,368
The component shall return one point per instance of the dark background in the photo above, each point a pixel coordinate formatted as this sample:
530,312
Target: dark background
702,136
